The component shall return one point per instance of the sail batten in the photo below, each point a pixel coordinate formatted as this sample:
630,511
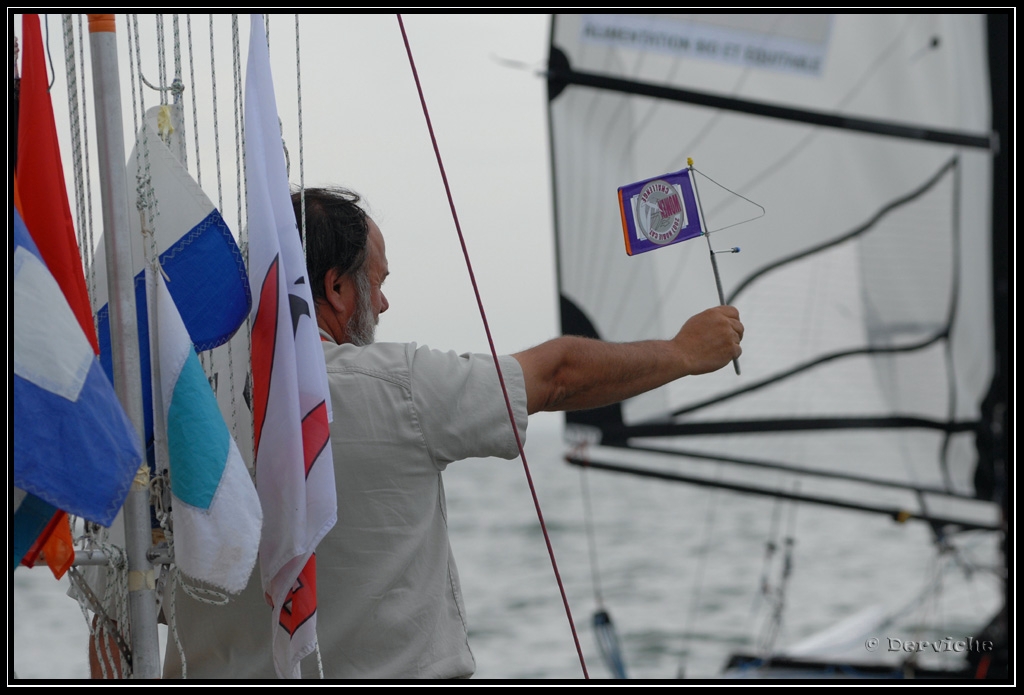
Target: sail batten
900,514
868,140
785,468
787,425
567,76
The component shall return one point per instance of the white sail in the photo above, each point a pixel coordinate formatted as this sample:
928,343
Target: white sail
865,287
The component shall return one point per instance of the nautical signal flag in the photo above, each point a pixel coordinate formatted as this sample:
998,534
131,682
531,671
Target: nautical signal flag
291,402
42,210
217,515
197,252
658,212
43,199
74,446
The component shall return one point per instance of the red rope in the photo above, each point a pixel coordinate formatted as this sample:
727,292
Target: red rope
490,342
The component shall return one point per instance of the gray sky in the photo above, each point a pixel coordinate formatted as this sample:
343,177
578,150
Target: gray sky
364,128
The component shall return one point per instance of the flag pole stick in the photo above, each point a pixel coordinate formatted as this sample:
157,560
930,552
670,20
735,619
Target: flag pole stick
711,252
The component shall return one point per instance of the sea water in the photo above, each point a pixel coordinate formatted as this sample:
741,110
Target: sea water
680,569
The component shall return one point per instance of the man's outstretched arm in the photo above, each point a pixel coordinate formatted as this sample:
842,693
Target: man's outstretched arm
574,373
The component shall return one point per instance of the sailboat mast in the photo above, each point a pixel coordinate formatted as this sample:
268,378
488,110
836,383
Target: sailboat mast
124,337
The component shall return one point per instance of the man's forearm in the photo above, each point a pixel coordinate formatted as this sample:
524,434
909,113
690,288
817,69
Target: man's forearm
574,373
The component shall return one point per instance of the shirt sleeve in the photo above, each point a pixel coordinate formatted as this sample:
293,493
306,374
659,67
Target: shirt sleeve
461,407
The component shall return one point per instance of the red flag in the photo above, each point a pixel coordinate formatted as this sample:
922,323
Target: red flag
43,203
44,199
291,402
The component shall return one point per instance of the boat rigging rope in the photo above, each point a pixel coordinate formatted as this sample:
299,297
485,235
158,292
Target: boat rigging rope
161,58
216,122
704,553
302,205
109,628
236,56
588,523
776,596
233,390
298,108
78,118
770,547
192,81
604,628
490,342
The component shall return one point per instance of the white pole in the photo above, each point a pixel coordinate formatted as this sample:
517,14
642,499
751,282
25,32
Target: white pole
124,338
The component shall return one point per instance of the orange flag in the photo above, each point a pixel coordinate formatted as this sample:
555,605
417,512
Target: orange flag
55,545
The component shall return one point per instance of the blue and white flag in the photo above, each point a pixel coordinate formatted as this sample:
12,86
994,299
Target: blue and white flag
216,512
197,252
74,446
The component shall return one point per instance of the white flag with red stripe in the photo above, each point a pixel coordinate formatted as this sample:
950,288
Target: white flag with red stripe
291,402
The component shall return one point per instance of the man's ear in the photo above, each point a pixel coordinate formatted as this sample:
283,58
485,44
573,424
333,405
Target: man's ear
339,290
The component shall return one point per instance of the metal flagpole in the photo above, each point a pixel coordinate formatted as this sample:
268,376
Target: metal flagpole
711,251
145,645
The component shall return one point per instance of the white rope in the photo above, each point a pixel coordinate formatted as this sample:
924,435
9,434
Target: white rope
302,167
75,118
133,20
192,81
202,594
216,122
178,88
115,599
205,358
216,148
161,59
243,236
176,46
242,233
90,234
236,57
146,198
197,593
172,620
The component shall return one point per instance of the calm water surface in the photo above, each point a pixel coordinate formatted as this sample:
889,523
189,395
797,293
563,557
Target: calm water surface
677,567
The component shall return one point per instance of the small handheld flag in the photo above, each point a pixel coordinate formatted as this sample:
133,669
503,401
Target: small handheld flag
665,210
658,212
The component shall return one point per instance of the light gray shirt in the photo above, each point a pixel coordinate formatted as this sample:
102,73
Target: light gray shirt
389,600
389,595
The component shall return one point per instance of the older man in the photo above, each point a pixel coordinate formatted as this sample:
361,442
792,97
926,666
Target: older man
402,413
389,600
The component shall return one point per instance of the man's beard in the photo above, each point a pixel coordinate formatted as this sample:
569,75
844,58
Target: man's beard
361,325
